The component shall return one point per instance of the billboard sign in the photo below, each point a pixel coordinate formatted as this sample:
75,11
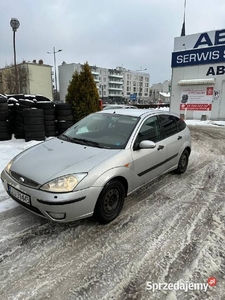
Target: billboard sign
197,98
198,49
198,56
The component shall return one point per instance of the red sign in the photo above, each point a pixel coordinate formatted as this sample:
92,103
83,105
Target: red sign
209,91
196,106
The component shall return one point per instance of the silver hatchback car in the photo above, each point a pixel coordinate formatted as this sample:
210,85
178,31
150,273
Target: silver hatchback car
92,167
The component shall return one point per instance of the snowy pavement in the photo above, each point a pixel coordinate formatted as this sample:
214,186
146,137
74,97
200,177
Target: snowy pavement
170,231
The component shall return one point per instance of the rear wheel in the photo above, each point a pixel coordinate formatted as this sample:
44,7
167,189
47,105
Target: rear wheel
183,162
110,202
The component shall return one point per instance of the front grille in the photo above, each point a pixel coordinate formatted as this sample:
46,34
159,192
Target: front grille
24,180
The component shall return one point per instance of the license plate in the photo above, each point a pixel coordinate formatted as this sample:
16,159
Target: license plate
19,195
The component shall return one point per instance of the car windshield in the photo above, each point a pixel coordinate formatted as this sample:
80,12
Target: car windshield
102,130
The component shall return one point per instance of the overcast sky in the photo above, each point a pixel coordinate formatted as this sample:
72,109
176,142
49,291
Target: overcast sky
134,34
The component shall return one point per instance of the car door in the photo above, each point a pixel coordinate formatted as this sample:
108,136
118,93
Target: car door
148,163
173,139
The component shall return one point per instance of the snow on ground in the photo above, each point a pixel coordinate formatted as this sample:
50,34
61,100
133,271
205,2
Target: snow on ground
171,230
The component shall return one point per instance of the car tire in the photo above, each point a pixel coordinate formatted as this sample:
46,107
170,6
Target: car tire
110,202
183,162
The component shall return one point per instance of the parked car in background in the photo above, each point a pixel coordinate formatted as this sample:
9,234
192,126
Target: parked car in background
113,106
93,166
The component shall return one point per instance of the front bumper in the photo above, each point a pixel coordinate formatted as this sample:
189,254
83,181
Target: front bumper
63,207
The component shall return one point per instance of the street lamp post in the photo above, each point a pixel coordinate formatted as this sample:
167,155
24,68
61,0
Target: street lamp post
56,87
141,70
15,24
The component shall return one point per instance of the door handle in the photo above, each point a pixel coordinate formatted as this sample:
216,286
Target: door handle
160,147
179,137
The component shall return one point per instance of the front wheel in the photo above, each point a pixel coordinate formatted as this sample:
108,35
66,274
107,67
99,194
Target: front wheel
110,202
183,162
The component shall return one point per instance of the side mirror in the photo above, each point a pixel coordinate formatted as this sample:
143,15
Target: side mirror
147,145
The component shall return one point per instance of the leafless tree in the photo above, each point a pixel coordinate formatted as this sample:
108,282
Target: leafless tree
8,78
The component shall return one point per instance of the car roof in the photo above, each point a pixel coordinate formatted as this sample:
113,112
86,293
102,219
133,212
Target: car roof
109,106
137,112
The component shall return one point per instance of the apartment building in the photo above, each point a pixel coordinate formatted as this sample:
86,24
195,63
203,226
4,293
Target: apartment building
33,78
161,91
114,85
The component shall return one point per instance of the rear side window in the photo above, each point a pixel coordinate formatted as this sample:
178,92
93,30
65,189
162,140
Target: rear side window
181,125
168,124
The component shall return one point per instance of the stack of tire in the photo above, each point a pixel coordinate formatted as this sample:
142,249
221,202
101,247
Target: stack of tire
12,113
19,121
49,117
5,133
64,117
34,124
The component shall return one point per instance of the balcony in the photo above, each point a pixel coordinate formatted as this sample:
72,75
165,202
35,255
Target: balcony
115,82
116,88
116,75
94,73
96,79
115,95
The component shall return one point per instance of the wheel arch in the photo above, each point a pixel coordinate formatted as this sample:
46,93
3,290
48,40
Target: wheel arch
122,179
188,149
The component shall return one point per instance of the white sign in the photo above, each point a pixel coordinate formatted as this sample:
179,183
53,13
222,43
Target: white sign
197,98
207,39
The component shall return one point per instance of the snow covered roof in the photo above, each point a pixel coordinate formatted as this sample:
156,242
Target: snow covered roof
166,95
197,81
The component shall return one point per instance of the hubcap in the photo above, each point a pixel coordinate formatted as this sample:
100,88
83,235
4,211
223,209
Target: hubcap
183,161
111,201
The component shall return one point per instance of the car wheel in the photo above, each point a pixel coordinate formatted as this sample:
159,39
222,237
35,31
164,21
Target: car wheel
110,202
183,163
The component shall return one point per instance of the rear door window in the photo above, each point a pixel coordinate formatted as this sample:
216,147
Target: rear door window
169,125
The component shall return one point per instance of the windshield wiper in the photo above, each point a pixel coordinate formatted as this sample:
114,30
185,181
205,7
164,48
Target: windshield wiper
66,137
87,142
81,141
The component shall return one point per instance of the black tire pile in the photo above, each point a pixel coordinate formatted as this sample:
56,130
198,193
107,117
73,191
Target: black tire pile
5,130
49,117
33,117
64,117
19,130
34,124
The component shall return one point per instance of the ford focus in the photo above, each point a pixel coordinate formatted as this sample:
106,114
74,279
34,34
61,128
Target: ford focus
93,166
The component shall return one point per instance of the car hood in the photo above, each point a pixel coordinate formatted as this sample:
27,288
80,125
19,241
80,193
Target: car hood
55,158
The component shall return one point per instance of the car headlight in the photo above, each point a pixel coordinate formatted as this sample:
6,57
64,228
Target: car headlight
8,167
63,184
